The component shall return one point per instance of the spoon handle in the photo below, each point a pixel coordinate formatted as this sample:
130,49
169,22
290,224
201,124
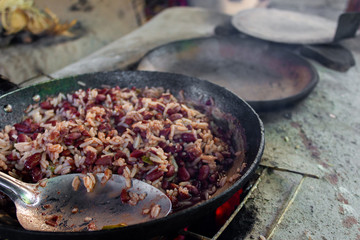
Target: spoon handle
16,189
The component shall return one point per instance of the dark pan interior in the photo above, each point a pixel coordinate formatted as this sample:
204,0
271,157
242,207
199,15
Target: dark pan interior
195,90
264,75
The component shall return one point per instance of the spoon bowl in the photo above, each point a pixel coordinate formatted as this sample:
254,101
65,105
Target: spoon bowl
54,205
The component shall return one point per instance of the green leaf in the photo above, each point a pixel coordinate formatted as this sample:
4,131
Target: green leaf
147,160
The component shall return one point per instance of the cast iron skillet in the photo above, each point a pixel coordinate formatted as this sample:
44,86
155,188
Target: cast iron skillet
195,90
264,75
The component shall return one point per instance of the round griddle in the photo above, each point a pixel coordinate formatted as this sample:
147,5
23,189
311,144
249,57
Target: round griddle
285,26
264,75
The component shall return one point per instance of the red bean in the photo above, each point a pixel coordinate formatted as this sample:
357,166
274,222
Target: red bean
52,122
193,172
65,153
165,132
119,154
160,108
162,145
22,138
183,174
193,190
34,136
130,146
36,174
154,175
173,186
120,129
170,149
104,160
120,114
125,197
32,161
140,131
100,98
27,122
171,171
12,135
104,127
178,148
103,91
166,96
68,141
66,105
158,116
213,177
147,115
46,105
165,184
129,121
22,128
204,172
184,195
184,113
120,170
173,110
90,157
188,137
85,133
137,153
181,163
78,142
74,135
12,157
27,126
174,201
193,152
175,116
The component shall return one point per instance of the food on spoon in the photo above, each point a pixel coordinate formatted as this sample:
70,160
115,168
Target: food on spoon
76,183
52,220
146,134
89,182
107,175
153,211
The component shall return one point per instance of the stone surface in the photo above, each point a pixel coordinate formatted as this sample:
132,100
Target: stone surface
272,194
333,216
103,22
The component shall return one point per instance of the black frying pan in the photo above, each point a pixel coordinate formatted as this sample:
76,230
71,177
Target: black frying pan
250,134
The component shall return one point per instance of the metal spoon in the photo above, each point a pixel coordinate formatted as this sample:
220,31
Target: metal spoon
54,205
